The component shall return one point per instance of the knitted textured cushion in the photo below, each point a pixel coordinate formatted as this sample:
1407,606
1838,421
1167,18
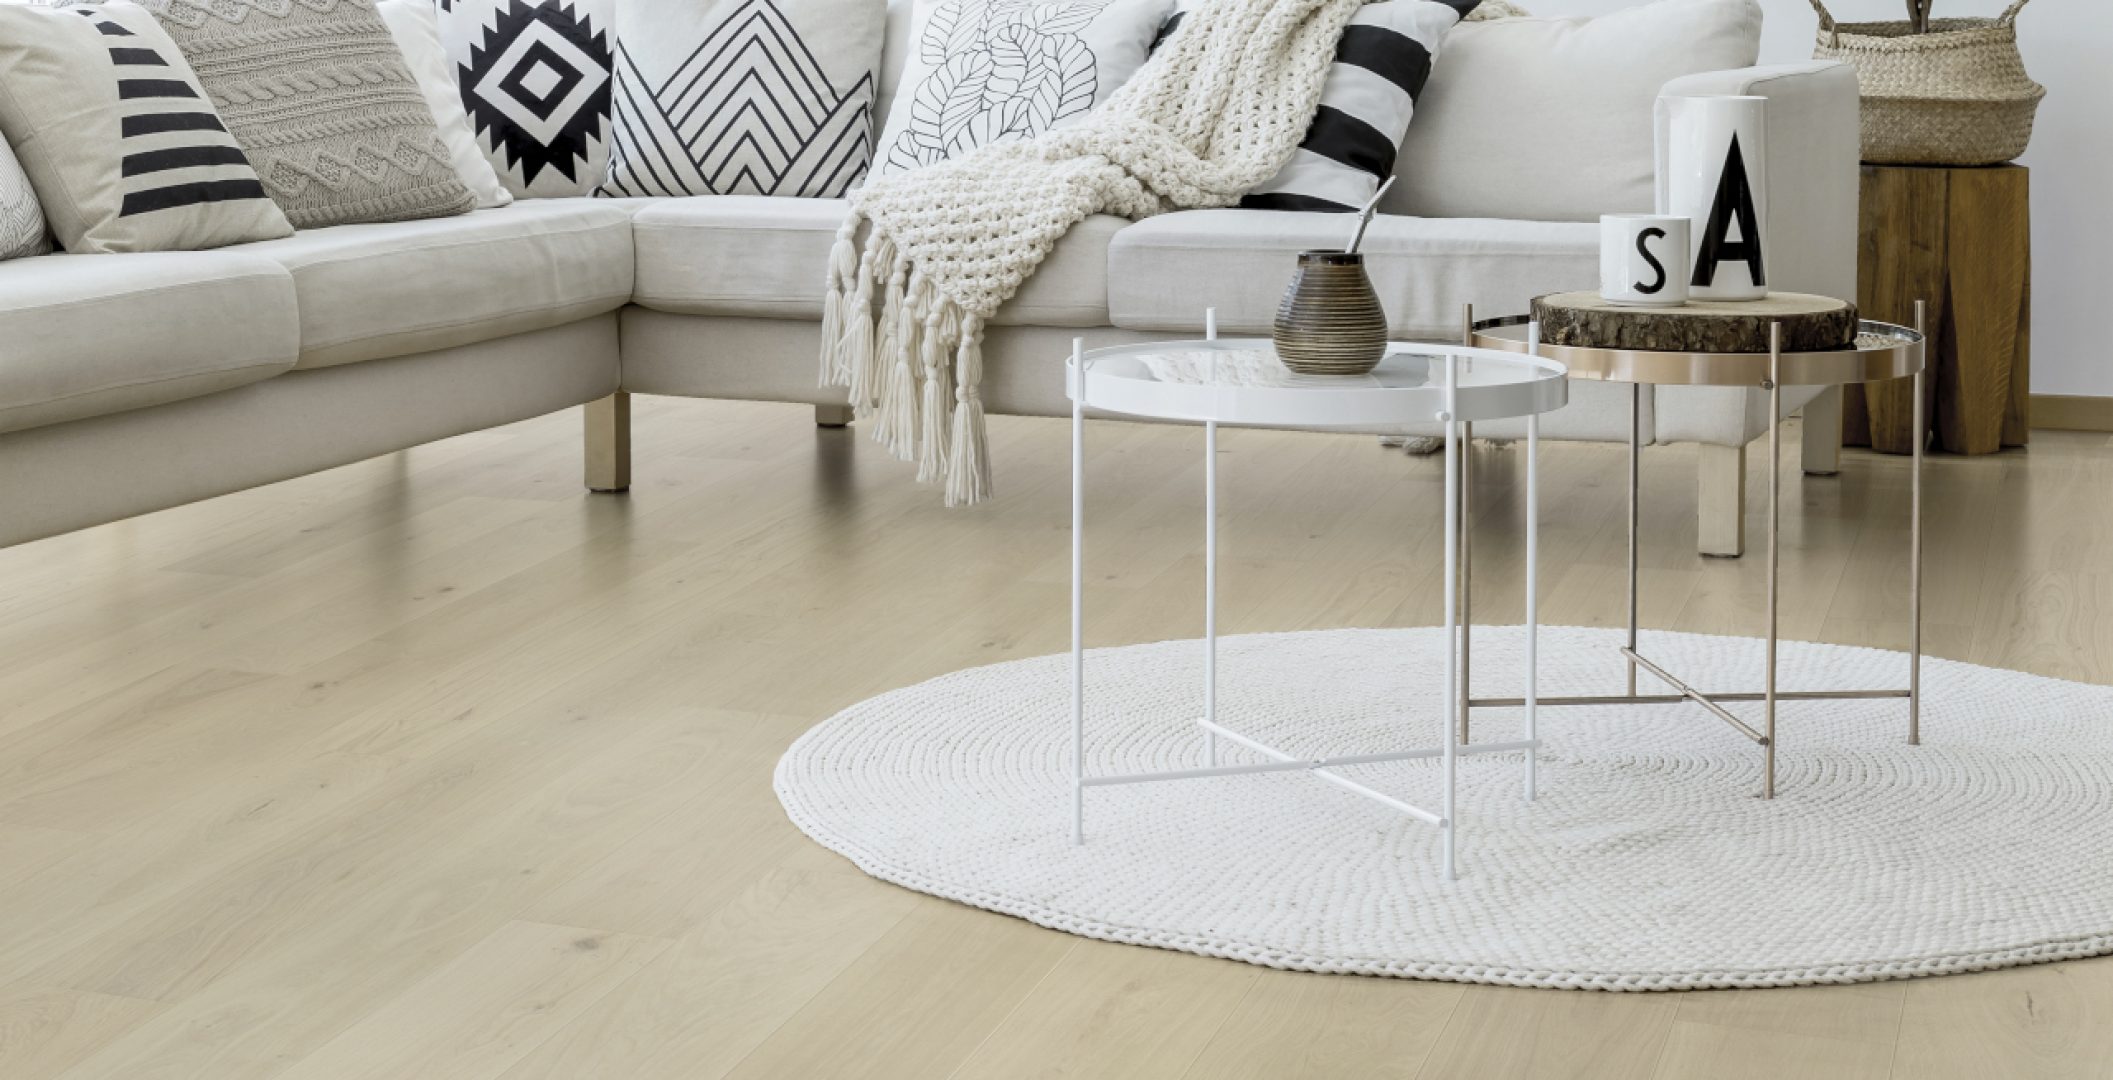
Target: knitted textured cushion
1381,64
1496,9
416,26
319,95
22,230
117,136
743,97
984,71
535,78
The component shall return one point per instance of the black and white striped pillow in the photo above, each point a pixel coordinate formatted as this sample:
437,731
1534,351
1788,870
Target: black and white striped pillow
118,136
1381,64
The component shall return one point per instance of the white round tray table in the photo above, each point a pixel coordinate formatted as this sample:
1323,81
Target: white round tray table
1240,381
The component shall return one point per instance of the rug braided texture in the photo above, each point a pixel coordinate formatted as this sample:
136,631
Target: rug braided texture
1647,863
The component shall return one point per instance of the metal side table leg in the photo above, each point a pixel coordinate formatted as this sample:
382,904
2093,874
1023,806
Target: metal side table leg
1775,514
1635,473
1915,550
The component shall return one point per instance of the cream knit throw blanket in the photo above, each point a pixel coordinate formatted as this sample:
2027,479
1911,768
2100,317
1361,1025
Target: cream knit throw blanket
1218,109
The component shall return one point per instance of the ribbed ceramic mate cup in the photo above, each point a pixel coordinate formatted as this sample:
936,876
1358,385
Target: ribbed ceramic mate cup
1330,321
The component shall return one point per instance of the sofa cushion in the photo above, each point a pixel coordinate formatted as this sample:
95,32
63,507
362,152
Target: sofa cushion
1486,138
86,335
1164,271
768,258
378,290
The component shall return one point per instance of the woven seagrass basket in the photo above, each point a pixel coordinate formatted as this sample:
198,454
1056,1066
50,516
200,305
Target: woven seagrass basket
1954,95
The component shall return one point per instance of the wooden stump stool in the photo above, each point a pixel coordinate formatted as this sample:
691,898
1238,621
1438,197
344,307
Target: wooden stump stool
1959,240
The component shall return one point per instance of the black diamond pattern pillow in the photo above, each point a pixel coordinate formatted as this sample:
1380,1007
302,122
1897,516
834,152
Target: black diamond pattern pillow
536,78
744,97
1381,64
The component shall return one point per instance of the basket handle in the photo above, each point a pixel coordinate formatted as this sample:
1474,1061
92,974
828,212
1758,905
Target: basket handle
2010,14
1827,21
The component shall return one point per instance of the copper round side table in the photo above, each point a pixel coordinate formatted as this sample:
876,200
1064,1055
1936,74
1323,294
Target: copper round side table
1882,351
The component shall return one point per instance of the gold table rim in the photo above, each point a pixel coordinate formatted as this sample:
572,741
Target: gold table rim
1884,351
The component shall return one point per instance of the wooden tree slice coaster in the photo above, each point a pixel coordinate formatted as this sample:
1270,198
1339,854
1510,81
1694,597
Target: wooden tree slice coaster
1810,324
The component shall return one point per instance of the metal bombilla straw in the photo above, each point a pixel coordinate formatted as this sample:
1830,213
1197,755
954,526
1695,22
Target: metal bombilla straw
1364,216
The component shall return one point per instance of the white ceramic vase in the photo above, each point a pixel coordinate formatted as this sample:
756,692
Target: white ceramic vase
1715,173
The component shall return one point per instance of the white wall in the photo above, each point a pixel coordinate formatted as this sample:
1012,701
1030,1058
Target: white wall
2066,45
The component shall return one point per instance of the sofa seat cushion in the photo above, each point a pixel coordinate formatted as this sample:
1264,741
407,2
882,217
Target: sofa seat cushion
373,291
769,258
88,335
1164,271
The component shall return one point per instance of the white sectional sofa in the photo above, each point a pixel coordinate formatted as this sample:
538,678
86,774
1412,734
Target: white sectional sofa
129,383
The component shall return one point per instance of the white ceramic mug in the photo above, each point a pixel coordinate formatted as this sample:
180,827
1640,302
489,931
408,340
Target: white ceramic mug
1643,259
1714,172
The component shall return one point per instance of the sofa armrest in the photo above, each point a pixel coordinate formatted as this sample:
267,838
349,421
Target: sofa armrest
1814,149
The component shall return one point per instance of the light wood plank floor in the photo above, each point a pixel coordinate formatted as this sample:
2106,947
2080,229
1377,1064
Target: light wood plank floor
436,766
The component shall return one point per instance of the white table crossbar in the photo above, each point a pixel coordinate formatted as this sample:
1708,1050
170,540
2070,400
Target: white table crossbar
1287,763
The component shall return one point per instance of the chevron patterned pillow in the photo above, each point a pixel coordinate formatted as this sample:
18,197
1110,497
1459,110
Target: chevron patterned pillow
319,96
743,97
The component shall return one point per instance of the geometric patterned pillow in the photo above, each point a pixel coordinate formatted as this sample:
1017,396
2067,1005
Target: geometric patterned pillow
535,79
743,97
22,229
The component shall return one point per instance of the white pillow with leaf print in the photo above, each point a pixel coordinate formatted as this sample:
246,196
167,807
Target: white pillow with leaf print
985,71
22,230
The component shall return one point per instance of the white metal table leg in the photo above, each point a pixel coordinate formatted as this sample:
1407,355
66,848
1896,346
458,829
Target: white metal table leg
1210,588
1467,576
1078,591
1453,703
1210,560
1533,563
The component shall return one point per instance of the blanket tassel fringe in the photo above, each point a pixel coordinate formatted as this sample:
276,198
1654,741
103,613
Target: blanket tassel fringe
968,465
843,268
941,326
897,426
893,362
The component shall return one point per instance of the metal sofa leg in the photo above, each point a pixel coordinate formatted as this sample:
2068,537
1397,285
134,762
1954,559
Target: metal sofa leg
608,449
1821,450
832,416
1720,500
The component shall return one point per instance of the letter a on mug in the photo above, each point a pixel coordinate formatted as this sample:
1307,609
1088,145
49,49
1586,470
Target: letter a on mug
1714,172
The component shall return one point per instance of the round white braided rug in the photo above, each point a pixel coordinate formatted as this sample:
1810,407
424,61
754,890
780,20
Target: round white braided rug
1647,863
